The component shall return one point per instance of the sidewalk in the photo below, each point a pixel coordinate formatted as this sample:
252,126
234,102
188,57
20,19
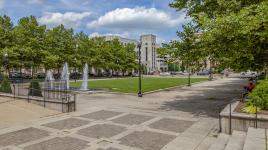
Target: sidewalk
13,112
183,117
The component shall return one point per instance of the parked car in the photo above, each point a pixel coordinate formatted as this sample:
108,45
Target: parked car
15,75
75,75
203,73
26,76
242,73
41,75
164,74
57,75
135,74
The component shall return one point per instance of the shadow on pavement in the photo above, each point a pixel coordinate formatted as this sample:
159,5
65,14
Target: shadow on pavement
206,100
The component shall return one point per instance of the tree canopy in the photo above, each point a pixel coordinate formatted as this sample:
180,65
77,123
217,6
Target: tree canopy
232,33
31,45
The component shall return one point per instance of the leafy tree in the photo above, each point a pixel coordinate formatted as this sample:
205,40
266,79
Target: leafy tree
234,32
6,37
29,46
61,45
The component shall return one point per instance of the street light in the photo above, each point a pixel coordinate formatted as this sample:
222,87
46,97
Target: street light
5,62
139,46
75,74
210,71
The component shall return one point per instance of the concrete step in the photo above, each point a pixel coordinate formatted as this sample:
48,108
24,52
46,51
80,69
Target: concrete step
255,139
191,138
236,141
220,142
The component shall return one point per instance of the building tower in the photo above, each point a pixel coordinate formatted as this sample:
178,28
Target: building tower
148,52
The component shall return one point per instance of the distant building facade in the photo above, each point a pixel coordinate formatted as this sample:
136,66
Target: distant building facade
149,57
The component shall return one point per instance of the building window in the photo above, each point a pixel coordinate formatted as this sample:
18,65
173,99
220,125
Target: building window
146,53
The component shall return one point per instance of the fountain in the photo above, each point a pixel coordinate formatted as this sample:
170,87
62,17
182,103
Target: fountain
65,75
49,79
84,85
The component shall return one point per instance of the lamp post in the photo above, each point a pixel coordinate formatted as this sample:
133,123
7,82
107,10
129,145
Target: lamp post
210,71
139,47
5,62
189,75
76,72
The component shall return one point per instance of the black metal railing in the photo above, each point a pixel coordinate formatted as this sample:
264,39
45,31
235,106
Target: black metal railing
58,95
230,115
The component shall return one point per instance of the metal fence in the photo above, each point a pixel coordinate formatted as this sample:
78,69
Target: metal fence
50,93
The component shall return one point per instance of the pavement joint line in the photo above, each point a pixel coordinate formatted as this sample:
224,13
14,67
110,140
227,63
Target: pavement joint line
118,116
155,119
47,129
162,131
123,134
36,141
81,137
162,114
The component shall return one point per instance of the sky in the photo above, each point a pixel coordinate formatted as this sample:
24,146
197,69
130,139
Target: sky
126,18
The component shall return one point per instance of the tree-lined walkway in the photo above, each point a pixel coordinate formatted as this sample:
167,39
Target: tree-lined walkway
183,116
200,99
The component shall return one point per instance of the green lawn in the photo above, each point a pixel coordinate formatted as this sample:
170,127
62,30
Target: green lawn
130,85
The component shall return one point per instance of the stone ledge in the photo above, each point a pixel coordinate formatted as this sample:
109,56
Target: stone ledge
240,121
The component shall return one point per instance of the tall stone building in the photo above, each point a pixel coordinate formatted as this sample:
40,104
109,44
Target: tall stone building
149,56
148,52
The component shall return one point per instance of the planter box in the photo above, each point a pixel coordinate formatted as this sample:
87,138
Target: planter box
240,121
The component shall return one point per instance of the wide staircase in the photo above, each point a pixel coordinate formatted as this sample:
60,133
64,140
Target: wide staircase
254,139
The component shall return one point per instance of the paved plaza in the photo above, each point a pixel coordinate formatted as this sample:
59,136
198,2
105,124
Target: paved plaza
177,119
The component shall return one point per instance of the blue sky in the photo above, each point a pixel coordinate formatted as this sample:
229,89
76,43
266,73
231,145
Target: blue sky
127,18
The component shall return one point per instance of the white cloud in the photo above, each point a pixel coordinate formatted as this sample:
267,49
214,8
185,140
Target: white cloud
136,19
97,34
69,19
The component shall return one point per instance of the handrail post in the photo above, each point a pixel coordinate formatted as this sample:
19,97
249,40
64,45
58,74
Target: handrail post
256,117
230,118
14,90
44,97
220,127
74,102
29,90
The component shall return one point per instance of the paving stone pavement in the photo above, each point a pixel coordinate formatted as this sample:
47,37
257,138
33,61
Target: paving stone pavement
132,119
117,127
119,131
67,123
146,140
64,143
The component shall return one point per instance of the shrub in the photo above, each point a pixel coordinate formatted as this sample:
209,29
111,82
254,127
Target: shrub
250,109
35,89
5,86
259,96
